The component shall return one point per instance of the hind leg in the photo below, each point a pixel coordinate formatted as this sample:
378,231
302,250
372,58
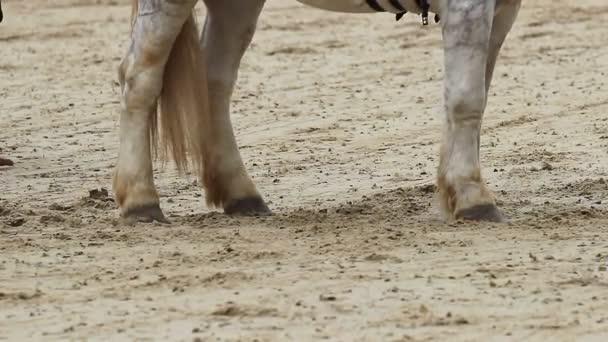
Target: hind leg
228,30
504,19
140,75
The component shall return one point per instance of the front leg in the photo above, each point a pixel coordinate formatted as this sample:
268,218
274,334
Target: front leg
466,28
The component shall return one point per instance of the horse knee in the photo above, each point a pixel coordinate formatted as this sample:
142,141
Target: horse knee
466,105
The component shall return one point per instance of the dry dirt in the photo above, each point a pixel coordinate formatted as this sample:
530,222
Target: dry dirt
338,118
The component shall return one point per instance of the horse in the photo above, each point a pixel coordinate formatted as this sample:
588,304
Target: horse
176,85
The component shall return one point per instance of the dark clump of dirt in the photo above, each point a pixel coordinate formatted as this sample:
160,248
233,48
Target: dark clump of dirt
46,219
16,222
99,199
99,193
233,310
20,295
6,162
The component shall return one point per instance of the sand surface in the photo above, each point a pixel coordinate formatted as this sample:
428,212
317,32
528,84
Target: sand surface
339,119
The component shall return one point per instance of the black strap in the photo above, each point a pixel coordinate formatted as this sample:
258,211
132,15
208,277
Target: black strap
424,7
1,15
375,5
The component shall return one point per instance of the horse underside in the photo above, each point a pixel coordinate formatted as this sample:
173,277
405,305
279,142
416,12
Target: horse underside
176,90
372,6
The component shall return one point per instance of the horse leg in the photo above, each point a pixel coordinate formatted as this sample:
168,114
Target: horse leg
467,34
228,30
141,73
501,26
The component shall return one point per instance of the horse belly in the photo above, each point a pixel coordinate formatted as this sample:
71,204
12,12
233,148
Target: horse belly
348,6
363,6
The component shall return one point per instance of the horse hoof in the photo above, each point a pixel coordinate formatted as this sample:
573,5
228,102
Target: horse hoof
483,212
145,213
248,206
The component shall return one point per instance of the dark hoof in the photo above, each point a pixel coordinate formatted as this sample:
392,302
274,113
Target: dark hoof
248,206
145,213
484,212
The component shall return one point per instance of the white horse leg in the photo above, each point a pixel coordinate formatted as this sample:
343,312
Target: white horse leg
228,30
141,72
466,27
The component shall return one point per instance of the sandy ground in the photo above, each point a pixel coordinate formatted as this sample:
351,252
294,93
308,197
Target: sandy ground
339,121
